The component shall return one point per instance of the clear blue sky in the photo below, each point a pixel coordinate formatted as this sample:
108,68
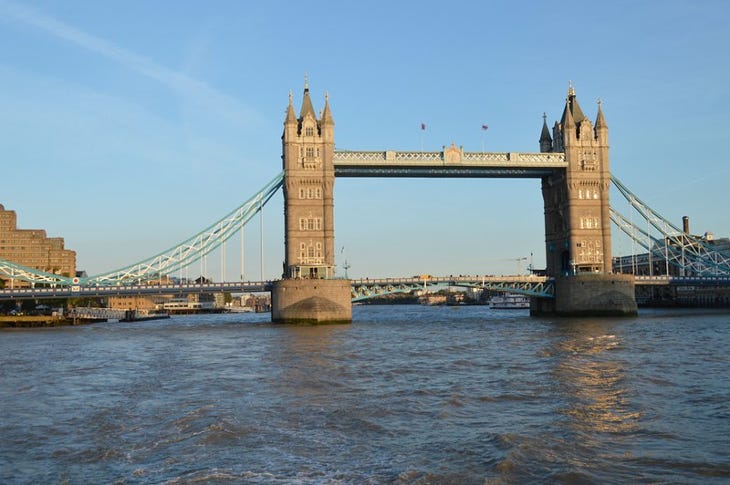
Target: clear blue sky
127,126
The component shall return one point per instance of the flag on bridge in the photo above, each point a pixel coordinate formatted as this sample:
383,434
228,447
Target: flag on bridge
423,126
485,127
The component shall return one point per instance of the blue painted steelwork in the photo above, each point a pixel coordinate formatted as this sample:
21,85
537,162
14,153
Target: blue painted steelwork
705,281
674,246
527,285
81,291
18,272
362,289
693,255
166,262
544,289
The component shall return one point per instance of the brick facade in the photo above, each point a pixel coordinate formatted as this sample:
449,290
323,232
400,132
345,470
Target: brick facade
33,249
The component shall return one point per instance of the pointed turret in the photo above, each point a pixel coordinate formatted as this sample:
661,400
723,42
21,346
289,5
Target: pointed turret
326,123
600,120
546,143
573,106
307,107
601,126
568,123
291,116
326,113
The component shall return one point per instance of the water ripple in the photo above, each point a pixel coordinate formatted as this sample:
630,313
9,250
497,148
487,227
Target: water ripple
404,395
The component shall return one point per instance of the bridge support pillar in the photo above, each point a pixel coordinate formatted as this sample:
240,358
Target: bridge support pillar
311,301
590,295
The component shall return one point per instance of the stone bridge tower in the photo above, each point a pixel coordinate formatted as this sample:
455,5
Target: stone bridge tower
578,221
309,292
308,145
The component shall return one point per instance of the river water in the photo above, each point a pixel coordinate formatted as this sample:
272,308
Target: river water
406,394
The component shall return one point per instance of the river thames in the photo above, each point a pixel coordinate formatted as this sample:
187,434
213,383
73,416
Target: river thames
406,394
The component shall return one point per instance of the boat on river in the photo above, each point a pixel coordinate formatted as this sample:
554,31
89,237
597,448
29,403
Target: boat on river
509,301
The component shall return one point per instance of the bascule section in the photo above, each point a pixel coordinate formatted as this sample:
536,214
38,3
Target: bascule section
578,218
308,292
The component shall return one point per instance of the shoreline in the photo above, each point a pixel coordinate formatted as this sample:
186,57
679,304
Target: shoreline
42,321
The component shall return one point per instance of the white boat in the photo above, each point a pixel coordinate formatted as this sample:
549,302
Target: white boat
239,309
509,301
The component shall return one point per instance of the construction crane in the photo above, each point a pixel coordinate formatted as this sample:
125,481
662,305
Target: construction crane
345,264
519,263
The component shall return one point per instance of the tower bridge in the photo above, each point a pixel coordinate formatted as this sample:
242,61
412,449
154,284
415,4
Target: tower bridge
572,164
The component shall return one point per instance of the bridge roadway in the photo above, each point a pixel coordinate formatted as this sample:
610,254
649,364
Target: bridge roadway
120,290
682,280
451,162
361,288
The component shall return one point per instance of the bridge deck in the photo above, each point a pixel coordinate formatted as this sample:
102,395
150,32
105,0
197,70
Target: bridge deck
526,282
116,290
452,162
682,280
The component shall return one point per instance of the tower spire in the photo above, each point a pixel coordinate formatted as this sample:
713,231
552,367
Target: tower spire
326,113
568,121
307,107
600,120
291,116
546,142
601,129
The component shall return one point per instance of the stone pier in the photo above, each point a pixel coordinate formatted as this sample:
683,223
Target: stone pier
311,301
589,295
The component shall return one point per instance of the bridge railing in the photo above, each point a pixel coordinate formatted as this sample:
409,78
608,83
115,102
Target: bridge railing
664,280
531,285
414,158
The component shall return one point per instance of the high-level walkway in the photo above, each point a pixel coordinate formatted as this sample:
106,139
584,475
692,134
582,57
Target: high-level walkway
451,162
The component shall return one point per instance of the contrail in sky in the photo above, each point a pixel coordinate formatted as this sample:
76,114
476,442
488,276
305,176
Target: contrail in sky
198,91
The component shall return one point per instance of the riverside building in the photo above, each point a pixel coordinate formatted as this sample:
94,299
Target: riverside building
33,249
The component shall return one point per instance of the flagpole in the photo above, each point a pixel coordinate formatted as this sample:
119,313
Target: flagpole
484,135
423,128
